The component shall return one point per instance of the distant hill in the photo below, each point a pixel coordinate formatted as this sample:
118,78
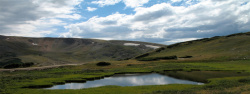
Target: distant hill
53,51
231,47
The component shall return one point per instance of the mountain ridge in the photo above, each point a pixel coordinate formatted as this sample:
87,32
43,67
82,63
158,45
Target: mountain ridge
53,51
230,47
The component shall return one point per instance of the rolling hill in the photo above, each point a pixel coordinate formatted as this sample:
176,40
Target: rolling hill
54,51
231,47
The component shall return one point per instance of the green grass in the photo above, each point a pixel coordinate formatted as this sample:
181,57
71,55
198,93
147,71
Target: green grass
222,62
111,90
217,48
13,82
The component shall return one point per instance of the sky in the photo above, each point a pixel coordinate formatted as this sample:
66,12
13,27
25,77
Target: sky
157,21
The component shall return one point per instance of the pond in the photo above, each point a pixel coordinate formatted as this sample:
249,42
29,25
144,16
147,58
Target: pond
127,80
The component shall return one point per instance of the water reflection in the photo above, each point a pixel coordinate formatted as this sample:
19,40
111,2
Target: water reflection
127,80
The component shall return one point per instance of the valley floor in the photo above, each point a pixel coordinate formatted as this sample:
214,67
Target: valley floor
36,68
227,77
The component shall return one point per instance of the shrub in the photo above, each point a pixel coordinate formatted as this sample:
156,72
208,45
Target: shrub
158,58
103,64
18,65
174,45
10,61
13,65
28,64
143,55
129,65
245,80
159,49
186,56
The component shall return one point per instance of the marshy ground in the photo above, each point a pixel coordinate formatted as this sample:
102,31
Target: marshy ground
220,77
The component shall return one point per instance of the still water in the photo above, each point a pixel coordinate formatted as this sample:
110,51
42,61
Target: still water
127,80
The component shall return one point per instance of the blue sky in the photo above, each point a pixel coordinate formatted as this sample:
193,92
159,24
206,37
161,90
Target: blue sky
158,21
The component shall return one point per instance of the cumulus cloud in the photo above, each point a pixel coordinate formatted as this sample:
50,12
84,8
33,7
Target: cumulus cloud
34,17
169,22
106,2
128,3
91,9
135,3
166,23
176,0
152,13
99,27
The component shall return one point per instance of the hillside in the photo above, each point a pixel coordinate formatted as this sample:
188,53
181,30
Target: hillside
54,51
231,47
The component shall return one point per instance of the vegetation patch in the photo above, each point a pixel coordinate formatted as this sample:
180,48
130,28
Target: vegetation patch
141,56
14,63
158,58
38,86
103,64
187,56
7,54
44,78
245,80
159,49
204,76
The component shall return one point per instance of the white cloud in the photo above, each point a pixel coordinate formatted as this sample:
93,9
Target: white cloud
30,31
135,3
161,23
69,16
153,13
128,3
105,2
98,27
35,18
165,23
176,0
91,9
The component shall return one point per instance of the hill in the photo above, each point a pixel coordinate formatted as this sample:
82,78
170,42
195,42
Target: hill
54,51
231,47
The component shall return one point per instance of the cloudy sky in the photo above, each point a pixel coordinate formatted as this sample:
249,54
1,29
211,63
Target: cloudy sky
158,21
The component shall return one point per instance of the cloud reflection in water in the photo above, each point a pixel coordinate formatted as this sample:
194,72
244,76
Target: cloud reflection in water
127,80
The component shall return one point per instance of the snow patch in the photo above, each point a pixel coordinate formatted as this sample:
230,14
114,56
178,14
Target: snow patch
34,44
152,46
131,44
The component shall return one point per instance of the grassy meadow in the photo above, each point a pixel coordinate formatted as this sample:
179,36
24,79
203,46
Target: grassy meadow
219,76
222,63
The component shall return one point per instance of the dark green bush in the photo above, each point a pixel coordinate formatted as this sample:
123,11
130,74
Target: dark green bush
186,56
10,61
103,64
13,65
141,56
28,64
18,65
158,58
159,49
245,80
174,45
